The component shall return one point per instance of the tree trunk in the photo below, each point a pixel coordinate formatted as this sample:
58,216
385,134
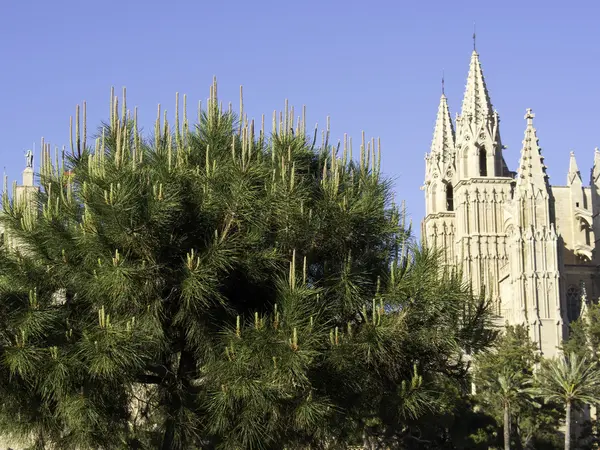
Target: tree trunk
169,436
568,426
179,387
366,440
506,427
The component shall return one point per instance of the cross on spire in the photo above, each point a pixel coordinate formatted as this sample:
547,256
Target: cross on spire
529,116
443,93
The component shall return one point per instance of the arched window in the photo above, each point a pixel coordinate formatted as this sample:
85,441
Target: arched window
573,303
482,162
449,197
433,198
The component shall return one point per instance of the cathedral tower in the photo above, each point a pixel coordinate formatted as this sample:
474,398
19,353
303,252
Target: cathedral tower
439,226
535,271
528,245
466,185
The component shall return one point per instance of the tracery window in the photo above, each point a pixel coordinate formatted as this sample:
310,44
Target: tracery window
573,303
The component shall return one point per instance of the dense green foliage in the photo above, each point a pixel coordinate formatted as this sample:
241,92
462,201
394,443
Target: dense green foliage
584,336
504,378
529,405
584,341
212,287
571,380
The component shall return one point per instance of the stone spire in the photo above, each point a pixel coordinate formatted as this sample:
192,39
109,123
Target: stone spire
532,175
573,170
476,102
596,167
443,134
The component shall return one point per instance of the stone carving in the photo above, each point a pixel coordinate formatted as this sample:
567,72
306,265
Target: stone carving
29,159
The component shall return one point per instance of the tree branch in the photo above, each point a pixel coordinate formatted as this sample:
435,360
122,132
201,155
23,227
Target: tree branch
149,379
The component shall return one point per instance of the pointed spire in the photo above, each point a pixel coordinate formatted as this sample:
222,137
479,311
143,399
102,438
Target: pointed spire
573,170
476,102
532,171
596,167
443,134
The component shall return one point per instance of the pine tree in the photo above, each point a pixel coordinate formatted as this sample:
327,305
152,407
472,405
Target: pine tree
219,286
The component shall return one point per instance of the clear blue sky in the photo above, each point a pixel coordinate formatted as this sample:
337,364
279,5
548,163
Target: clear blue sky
373,66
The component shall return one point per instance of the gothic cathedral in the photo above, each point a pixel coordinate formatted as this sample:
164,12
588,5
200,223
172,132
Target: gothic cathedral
528,245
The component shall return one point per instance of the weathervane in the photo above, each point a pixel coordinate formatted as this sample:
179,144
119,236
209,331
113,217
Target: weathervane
474,38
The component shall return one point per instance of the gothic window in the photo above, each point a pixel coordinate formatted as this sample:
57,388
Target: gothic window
433,198
449,197
482,162
573,303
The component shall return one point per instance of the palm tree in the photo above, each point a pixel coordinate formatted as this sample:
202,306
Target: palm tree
510,387
571,380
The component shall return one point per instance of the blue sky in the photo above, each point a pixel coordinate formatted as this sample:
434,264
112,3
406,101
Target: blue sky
374,66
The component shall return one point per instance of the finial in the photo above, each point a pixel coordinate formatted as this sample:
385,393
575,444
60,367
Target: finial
529,116
474,38
443,93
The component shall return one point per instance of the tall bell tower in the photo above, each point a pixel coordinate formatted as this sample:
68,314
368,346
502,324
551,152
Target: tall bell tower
482,187
439,227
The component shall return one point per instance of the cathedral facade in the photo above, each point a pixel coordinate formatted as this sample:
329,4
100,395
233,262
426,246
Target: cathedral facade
528,245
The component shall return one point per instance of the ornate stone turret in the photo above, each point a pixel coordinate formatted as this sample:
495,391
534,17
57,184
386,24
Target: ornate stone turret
535,267
439,228
439,166
482,187
581,214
